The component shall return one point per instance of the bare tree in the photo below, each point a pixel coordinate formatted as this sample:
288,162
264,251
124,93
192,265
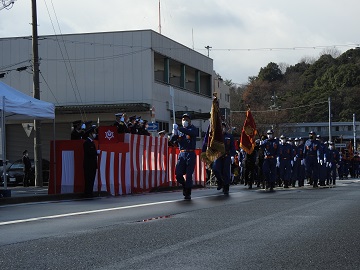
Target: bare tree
283,66
308,60
334,52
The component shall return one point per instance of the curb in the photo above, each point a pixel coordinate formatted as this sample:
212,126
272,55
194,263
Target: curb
46,198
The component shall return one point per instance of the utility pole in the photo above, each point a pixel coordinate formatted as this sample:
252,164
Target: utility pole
354,129
329,100
208,49
36,94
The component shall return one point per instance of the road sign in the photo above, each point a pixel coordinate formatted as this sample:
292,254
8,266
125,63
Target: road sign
153,127
340,145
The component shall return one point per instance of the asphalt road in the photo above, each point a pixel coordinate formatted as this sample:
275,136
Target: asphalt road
249,229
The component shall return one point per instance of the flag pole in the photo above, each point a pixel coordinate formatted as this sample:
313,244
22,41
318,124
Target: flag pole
173,102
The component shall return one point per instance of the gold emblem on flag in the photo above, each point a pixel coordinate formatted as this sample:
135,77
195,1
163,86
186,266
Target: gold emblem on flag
249,131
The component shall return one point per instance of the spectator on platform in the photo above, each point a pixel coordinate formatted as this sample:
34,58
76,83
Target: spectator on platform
77,133
90,162
121,123
161,134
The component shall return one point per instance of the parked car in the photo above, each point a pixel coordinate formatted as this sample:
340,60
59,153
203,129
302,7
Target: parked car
2,165
15,173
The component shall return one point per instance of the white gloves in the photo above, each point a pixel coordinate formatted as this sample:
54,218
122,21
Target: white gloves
175,130
321,162
232,160
277,162
330,165
302,162
292,163
295,158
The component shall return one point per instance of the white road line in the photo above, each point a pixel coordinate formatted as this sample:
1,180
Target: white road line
91,212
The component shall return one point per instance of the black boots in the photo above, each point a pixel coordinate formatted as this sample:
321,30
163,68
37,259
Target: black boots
226,189
187,193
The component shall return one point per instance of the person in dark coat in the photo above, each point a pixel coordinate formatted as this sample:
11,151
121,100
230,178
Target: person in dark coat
77,133
27,168
121,123
90,162
143,128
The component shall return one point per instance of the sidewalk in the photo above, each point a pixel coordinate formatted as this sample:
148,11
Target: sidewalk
36,194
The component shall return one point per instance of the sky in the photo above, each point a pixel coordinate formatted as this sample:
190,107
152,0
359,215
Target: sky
244,36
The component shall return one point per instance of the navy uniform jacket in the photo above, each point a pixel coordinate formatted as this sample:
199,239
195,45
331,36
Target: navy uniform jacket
186,140
121,127
286,151
229,144
311,149
77,135
271,148
332,156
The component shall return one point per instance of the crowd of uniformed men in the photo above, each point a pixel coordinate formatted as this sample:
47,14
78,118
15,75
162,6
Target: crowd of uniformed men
274,162
123,123
288,162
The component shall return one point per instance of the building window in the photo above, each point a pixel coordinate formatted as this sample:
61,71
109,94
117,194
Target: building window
164,126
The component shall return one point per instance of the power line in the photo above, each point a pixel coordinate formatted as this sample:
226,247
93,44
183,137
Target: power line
284,48
285,109
76,91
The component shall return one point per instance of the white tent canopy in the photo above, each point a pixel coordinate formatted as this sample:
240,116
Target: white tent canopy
16,105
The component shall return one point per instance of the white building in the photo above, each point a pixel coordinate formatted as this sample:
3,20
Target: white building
95,75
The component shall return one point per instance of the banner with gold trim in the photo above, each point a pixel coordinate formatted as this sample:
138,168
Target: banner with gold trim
248,133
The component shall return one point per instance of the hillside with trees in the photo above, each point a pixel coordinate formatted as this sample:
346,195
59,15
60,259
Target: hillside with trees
300,93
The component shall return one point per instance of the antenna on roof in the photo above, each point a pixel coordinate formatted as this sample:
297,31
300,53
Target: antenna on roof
159,18
192,33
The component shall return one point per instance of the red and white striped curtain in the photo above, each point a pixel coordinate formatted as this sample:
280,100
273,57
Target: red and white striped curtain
138,164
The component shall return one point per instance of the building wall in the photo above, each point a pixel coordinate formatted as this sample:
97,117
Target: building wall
104,68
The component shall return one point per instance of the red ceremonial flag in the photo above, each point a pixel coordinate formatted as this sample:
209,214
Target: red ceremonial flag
107,134
248,133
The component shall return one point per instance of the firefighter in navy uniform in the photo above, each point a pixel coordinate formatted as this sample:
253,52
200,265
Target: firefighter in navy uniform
322,161
312,159
332,163
298,167
221,166
285,159
185,137
270,148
